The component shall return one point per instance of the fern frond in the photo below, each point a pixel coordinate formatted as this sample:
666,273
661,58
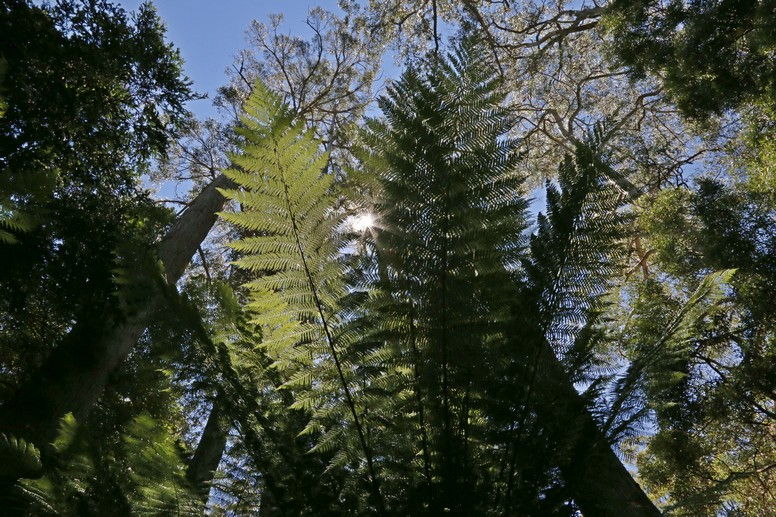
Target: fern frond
18,458
287,202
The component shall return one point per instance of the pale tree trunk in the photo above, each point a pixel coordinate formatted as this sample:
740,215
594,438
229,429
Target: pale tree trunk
599,482
210,449
73,377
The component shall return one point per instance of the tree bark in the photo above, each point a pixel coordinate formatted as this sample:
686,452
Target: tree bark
74,376
600,483
210,449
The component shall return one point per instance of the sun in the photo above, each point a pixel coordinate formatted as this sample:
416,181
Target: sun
363,222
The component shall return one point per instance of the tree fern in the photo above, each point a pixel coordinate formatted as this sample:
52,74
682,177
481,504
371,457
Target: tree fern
416,344
660,335
449,227
269,456
574,254
289,206
13,222
156,470
144,477
578,245
18,458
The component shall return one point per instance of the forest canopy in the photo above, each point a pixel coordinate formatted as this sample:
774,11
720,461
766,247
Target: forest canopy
530,273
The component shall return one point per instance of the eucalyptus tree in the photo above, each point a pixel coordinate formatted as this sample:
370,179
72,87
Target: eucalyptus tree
91,96
555,59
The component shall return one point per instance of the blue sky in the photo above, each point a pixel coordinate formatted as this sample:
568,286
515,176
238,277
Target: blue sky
209,33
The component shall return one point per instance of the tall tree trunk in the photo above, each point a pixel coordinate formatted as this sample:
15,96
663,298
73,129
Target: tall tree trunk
74,376
210,449
600,483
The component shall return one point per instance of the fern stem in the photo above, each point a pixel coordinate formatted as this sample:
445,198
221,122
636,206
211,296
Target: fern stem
330,341
446,441
419,399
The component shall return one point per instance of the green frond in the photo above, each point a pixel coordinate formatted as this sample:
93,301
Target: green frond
18,458
291,247
13,222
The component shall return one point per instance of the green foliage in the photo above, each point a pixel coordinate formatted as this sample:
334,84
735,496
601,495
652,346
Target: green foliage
142,476
449,225
702,347
577,248
18,457
444,357
435,311
91,94
13,222
715,227
758,158
661,332
112,88
287,208
156,470
666,217
711,56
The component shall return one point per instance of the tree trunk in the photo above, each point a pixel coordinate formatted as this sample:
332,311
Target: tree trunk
74,376
600,483
204,463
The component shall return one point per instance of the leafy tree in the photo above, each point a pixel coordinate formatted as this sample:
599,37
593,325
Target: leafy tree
90,96
327,80
554,59
710,389
711,56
